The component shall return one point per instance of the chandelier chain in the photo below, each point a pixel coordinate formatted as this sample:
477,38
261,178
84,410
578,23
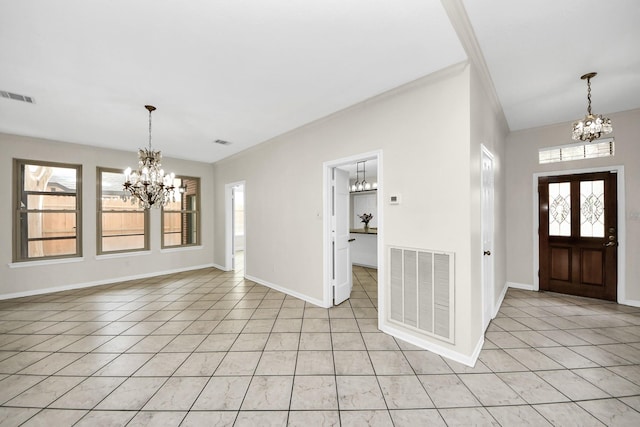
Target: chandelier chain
588,98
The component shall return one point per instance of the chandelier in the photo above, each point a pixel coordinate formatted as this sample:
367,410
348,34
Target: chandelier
364,185
593,125
148,184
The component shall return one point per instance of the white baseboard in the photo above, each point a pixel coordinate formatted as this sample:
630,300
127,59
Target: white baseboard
496,308
220,267
631,302
298,295
434,347
523,286
101,282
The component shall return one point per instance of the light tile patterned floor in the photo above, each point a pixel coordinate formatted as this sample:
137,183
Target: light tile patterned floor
209,348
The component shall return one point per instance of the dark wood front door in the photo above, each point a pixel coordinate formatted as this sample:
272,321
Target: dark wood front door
579,234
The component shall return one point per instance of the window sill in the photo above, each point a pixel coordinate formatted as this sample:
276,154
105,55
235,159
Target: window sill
45,262
181,248
122,255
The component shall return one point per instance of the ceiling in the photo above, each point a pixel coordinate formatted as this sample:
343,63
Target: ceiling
246,71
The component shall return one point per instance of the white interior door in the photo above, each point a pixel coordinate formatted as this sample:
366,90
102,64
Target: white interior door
342,279
487,212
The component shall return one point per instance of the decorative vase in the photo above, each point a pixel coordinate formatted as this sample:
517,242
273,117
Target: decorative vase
366,227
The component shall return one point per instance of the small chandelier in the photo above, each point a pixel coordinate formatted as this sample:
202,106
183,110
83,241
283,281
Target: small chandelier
148,184
364,185
593,126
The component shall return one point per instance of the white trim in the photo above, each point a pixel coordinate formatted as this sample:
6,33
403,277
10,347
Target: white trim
503,293
631,302
434,347
219,267
228,224
622,228
44,262
122,254
101,282
524,286
287,291
181,249
327,292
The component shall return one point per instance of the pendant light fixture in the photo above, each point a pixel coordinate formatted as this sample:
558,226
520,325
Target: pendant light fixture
593,126
362,185
148,184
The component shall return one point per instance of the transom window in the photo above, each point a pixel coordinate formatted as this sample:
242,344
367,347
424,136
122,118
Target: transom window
577,151
47,214
122,226
181,218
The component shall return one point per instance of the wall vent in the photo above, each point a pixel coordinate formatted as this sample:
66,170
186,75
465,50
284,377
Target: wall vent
17,97
421,291
221,142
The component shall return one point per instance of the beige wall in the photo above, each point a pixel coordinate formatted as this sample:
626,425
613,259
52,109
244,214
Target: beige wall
29,278
423,131
522,163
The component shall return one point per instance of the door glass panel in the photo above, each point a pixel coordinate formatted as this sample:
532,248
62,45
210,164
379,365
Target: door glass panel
592,208
560,209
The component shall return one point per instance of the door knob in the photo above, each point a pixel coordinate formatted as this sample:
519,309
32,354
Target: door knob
609,244
487,252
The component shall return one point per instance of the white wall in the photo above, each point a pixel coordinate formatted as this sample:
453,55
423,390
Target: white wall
488,128
522,163
423,129
30,278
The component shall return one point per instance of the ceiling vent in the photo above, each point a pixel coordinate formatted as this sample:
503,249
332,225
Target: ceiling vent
17,97
221,142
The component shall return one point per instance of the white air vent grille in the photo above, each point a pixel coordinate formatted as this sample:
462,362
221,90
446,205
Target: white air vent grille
17,97
421,291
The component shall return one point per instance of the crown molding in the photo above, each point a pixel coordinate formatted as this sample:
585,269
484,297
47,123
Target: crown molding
462,26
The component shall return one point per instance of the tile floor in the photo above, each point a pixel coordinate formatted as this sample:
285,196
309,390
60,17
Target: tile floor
208,348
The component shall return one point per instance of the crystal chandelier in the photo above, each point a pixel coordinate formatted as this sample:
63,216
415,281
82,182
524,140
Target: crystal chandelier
148,184
593,126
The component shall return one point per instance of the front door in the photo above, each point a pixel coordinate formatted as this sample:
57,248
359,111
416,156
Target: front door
578,234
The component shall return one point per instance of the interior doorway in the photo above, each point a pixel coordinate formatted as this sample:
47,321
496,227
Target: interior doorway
236,235
347,242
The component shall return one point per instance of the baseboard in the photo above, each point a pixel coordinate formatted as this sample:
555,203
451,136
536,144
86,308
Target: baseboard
503,293
298,295
220,267
434,347
523,286
631,302
101,282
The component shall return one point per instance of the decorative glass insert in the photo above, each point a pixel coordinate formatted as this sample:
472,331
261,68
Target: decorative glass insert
560,209
592,208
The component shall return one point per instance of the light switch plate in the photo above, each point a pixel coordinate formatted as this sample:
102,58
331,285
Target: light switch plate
394,199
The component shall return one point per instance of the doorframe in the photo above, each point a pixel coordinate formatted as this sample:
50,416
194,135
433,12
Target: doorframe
327,265
622,228
488,289
229,237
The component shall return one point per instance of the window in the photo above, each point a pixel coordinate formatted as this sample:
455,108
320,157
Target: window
181,218
122,226
577,151
47,216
